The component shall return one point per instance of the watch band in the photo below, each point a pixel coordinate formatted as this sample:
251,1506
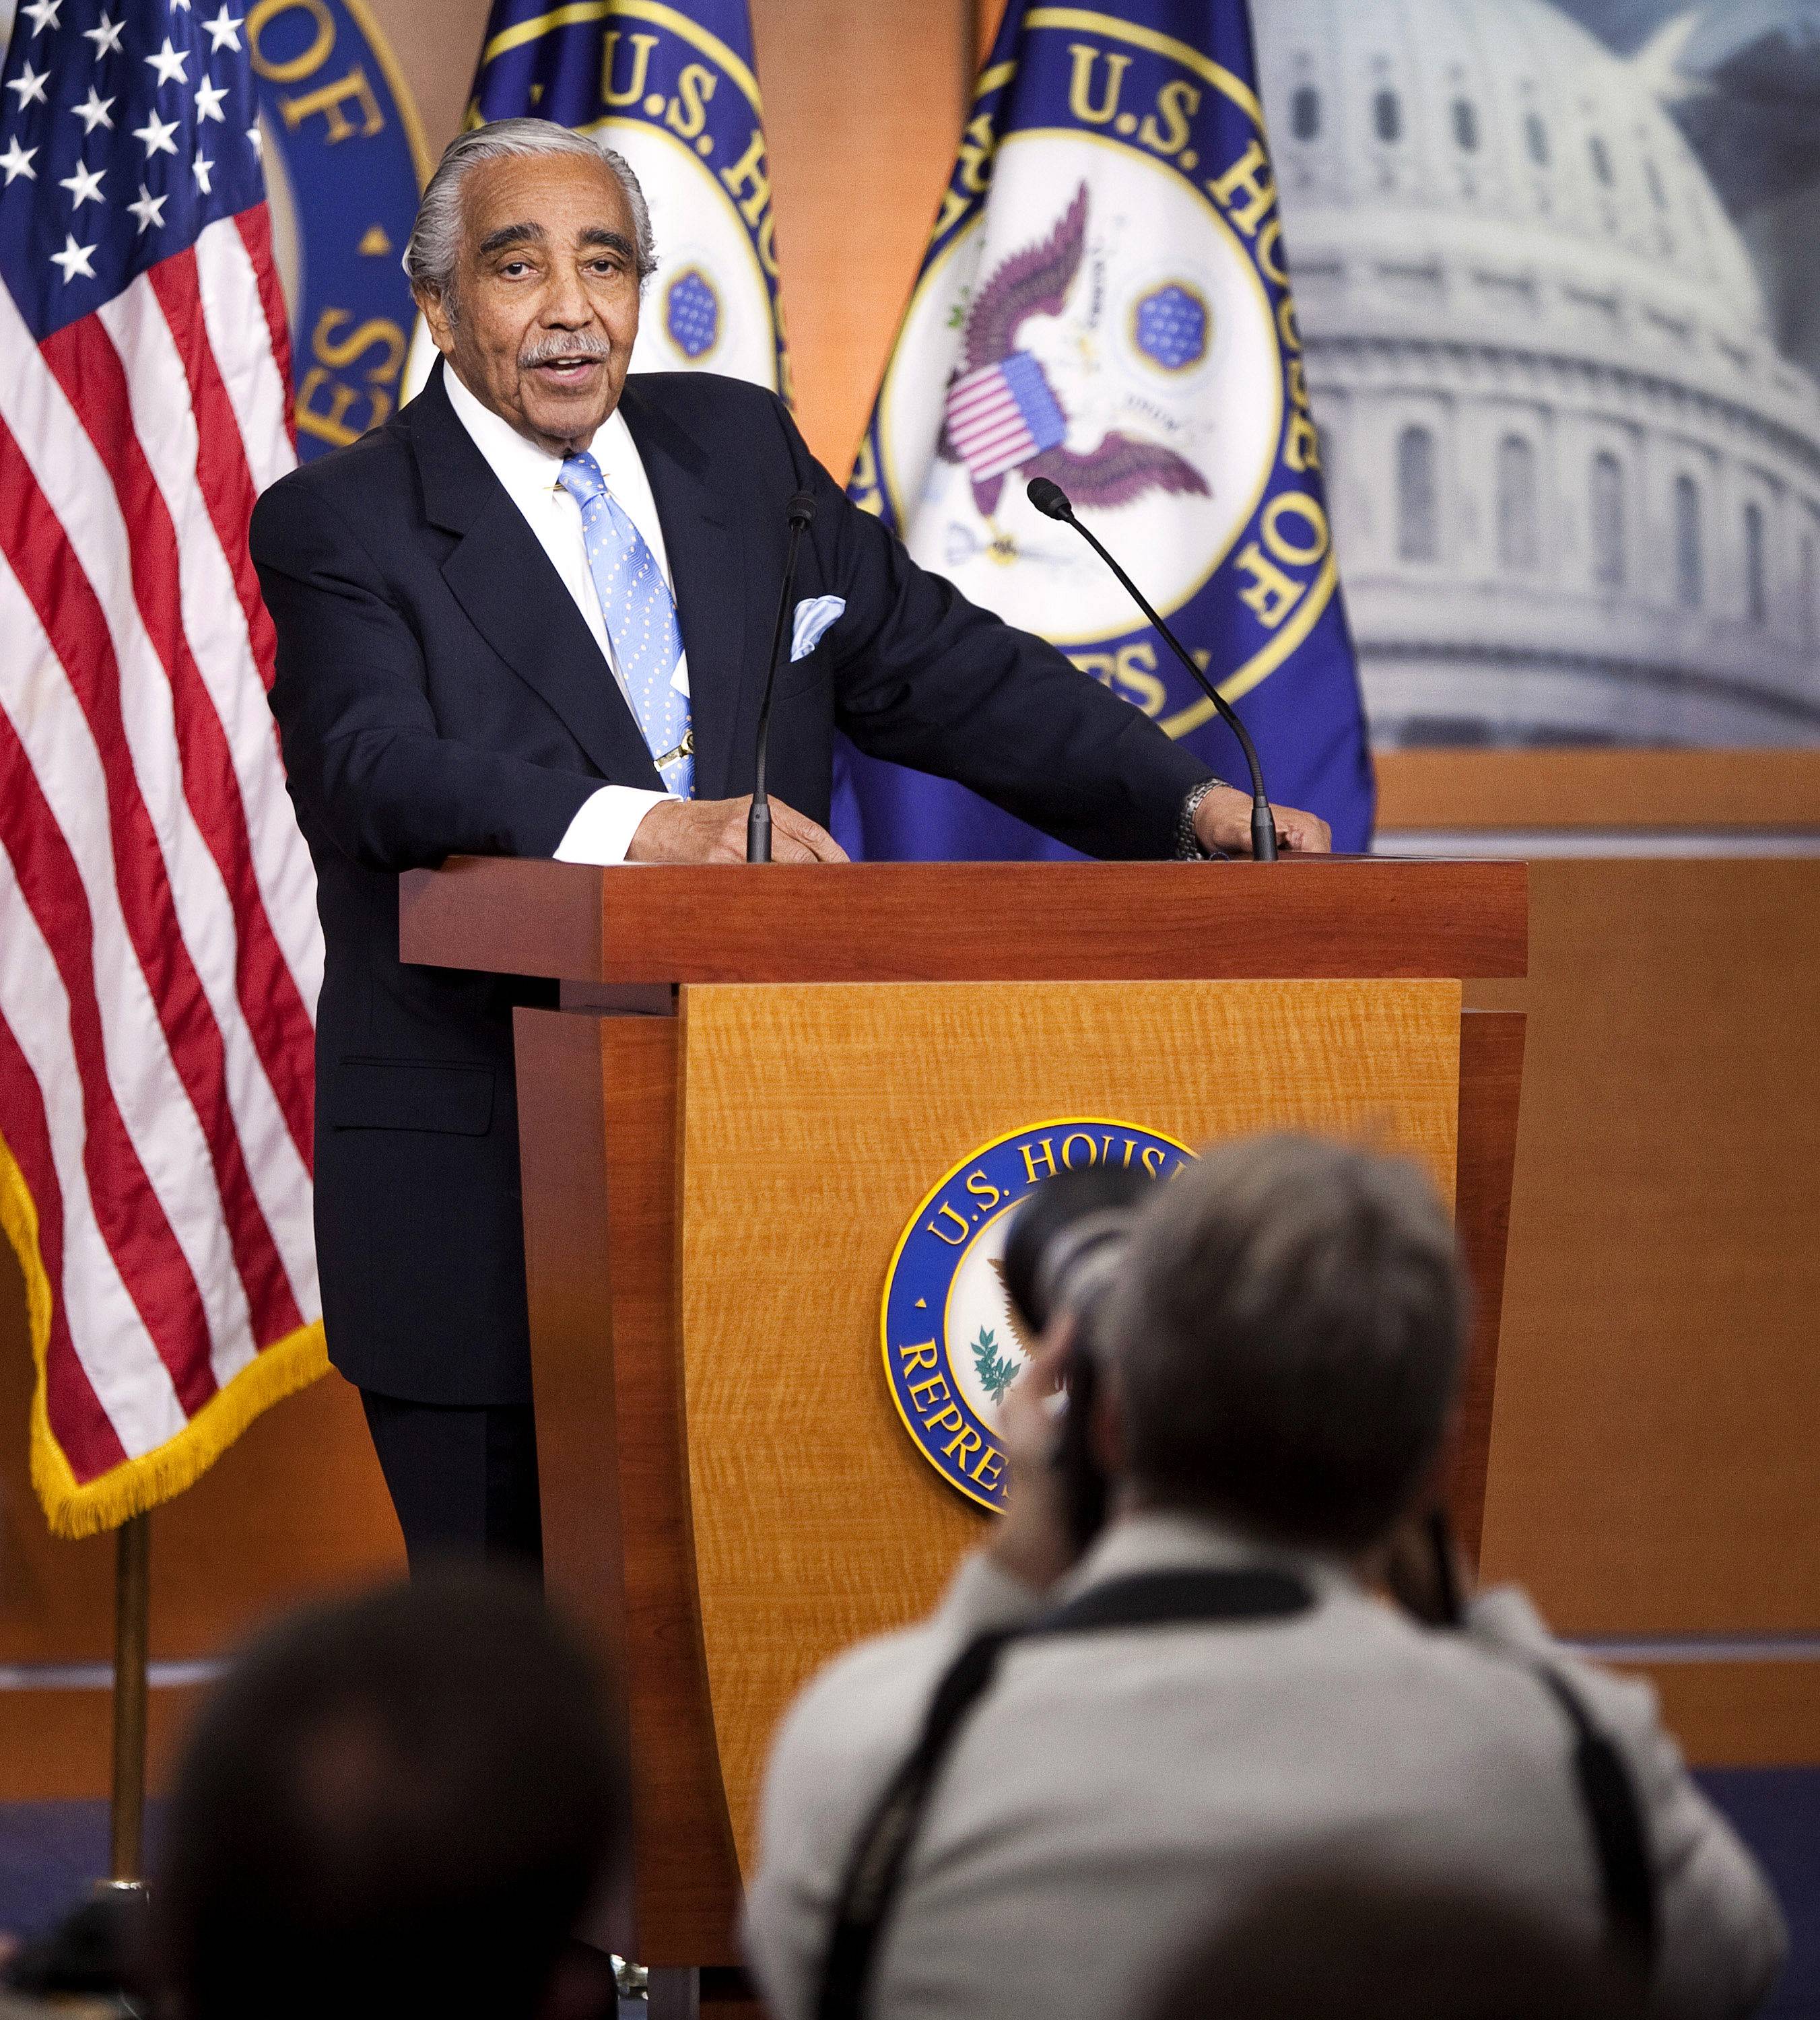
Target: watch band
1188,845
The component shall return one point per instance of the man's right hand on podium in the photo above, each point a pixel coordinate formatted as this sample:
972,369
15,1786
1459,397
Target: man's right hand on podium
714,831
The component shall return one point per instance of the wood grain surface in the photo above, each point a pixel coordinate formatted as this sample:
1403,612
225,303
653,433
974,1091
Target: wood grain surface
1491,1044
597,1129
1469,791
814,1120
57,1745
1659,1391
1750,1714
569,1284
969,921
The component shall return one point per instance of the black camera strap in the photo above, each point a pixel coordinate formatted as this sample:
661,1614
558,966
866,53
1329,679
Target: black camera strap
1165,1599
1620,1834
876,1870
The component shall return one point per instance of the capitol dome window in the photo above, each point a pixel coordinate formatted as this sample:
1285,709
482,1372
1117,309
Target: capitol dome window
1601,157
1304,112
1652,175
1690,572
1387,117
1606,505
1465,125
1418,516
1535,139
1519,506
1756,582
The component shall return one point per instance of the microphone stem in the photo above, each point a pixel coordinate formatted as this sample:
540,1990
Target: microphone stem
759,815
1263,821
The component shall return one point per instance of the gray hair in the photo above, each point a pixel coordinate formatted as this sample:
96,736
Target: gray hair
435,249
1287,1336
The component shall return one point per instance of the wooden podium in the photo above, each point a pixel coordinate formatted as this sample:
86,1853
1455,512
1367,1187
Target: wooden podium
756,1075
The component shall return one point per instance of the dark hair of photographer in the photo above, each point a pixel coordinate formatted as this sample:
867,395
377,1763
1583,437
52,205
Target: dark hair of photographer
1288,1326
401,1803
1342,1944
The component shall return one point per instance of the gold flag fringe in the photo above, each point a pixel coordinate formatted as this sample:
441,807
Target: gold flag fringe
75,1509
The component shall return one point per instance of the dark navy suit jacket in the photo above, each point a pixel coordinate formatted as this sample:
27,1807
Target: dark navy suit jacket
438,694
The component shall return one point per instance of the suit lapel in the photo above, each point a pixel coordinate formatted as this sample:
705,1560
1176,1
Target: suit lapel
501,578
702,544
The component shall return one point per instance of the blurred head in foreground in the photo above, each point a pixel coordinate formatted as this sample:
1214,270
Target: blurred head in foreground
402,1803
1287,1330
1341,1946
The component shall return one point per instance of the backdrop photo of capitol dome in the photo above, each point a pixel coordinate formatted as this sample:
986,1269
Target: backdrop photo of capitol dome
1553,264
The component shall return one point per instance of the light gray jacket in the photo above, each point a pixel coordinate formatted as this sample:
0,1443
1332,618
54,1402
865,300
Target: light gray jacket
1112,1793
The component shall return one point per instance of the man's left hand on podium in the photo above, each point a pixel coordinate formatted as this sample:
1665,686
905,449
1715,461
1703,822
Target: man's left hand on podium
1223,821
714,831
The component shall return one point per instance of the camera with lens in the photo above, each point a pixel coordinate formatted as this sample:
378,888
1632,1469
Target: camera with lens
1063,1254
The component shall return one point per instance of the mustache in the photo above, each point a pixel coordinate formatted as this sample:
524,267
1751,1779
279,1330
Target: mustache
547,350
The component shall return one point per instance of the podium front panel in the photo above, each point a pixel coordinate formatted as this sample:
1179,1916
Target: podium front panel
814,1120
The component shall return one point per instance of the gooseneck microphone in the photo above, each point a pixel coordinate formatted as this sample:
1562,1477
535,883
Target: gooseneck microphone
801,510
1053,502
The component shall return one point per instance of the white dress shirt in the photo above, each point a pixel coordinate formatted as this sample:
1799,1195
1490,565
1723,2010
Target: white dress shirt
601,832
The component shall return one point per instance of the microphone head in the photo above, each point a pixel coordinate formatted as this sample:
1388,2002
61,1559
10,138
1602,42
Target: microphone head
802,508
1048,498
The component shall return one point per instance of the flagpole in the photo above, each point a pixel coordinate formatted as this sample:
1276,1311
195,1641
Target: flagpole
132,1630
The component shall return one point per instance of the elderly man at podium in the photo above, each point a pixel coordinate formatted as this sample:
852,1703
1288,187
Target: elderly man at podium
531,615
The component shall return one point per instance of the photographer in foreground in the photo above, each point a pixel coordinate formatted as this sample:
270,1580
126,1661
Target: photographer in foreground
1024,1805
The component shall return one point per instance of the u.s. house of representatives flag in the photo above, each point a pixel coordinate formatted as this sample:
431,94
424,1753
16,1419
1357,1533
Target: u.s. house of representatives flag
159,952
1105,303
673,88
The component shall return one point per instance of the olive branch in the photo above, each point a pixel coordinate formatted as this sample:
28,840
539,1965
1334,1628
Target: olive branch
996,1373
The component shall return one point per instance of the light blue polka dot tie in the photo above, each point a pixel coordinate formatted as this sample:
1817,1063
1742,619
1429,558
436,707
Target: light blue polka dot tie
641,620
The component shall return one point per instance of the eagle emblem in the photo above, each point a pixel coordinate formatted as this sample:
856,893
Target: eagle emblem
1020,1332
998,1371
1001,413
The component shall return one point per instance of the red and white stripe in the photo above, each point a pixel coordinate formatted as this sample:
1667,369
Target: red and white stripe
159,951
987,424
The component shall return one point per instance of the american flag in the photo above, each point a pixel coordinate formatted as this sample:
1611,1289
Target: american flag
1000,416
159,951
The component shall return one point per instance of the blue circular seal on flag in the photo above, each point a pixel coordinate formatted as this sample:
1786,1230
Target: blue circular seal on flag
345,159
953,1347
1104,304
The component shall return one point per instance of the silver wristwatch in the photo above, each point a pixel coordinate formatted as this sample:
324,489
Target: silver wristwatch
1188,848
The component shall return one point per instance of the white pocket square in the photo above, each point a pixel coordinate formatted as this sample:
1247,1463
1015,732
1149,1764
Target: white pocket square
813,617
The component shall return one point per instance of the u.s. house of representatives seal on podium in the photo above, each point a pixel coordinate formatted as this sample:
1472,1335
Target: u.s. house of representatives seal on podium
954,1348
